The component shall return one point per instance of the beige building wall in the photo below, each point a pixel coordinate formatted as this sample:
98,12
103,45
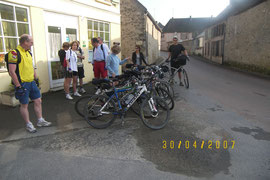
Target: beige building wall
116,37
153,41
83,10
40,48
5,82
247,39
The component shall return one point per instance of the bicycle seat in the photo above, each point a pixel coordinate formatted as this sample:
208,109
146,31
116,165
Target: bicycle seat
132,73
140,67
100,81
129,65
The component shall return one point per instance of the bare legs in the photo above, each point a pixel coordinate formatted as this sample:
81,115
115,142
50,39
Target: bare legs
37,107
74,84
67,84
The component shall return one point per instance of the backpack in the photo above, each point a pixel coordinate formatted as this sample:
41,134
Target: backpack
18,62
80,49
18,58
63,59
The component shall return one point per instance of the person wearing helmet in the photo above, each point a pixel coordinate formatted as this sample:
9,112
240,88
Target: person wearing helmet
174,50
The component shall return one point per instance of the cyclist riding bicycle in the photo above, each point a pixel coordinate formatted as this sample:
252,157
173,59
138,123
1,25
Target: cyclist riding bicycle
175,51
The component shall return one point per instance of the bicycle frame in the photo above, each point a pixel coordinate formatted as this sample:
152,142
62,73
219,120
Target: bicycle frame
141,89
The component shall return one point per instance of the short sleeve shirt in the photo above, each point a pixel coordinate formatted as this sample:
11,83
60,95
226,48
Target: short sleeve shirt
99,53
79,52
71,56
175,50
26,69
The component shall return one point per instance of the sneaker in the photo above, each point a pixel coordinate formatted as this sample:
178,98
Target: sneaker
82,90
77,94
68,96
30,128
43,123
181,84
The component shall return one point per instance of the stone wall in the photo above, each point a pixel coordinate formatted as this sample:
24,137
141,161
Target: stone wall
138,29
153,41
132,27
247,41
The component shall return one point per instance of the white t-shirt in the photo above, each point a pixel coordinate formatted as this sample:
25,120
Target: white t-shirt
72,58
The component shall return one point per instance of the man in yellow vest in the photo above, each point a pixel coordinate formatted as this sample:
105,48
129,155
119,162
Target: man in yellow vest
22,72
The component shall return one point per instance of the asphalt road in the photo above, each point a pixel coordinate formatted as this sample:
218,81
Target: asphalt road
221,107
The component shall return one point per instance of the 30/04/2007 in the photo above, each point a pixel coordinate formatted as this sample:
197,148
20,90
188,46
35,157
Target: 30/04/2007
198,144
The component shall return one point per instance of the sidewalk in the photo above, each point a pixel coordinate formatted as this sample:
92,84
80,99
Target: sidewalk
56,109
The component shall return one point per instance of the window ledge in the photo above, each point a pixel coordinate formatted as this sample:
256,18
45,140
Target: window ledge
104,2
4,70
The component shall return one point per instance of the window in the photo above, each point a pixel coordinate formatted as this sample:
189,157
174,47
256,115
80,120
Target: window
184,36
217,48
222,47
14,21
97,29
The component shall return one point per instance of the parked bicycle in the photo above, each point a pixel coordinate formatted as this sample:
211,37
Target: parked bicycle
101,111
171,72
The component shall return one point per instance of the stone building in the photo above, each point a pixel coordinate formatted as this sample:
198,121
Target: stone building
198,44
247,42
214,41
138,27
186,29
240,36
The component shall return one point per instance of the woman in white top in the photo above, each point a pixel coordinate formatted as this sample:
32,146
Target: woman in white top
71,58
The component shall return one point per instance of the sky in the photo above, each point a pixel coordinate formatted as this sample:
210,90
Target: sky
164,10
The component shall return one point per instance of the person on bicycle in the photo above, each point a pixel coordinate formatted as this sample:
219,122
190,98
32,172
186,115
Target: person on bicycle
174,51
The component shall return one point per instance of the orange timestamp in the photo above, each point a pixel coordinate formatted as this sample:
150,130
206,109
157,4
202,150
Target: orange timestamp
171,144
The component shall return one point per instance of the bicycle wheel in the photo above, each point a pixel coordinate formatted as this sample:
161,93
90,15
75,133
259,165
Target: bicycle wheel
136,106
155,112
79,104
100,111
186,82
167,86
165,95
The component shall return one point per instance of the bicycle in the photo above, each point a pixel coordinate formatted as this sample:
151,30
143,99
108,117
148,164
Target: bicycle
101,111
172,71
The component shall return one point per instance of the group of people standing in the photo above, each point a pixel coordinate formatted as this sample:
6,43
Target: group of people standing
105,63
71,57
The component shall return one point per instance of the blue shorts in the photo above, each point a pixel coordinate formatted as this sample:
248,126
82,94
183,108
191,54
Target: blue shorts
32,92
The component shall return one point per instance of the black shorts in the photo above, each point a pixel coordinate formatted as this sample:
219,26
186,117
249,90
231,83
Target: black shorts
74,73
176,66
67,74
81,72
